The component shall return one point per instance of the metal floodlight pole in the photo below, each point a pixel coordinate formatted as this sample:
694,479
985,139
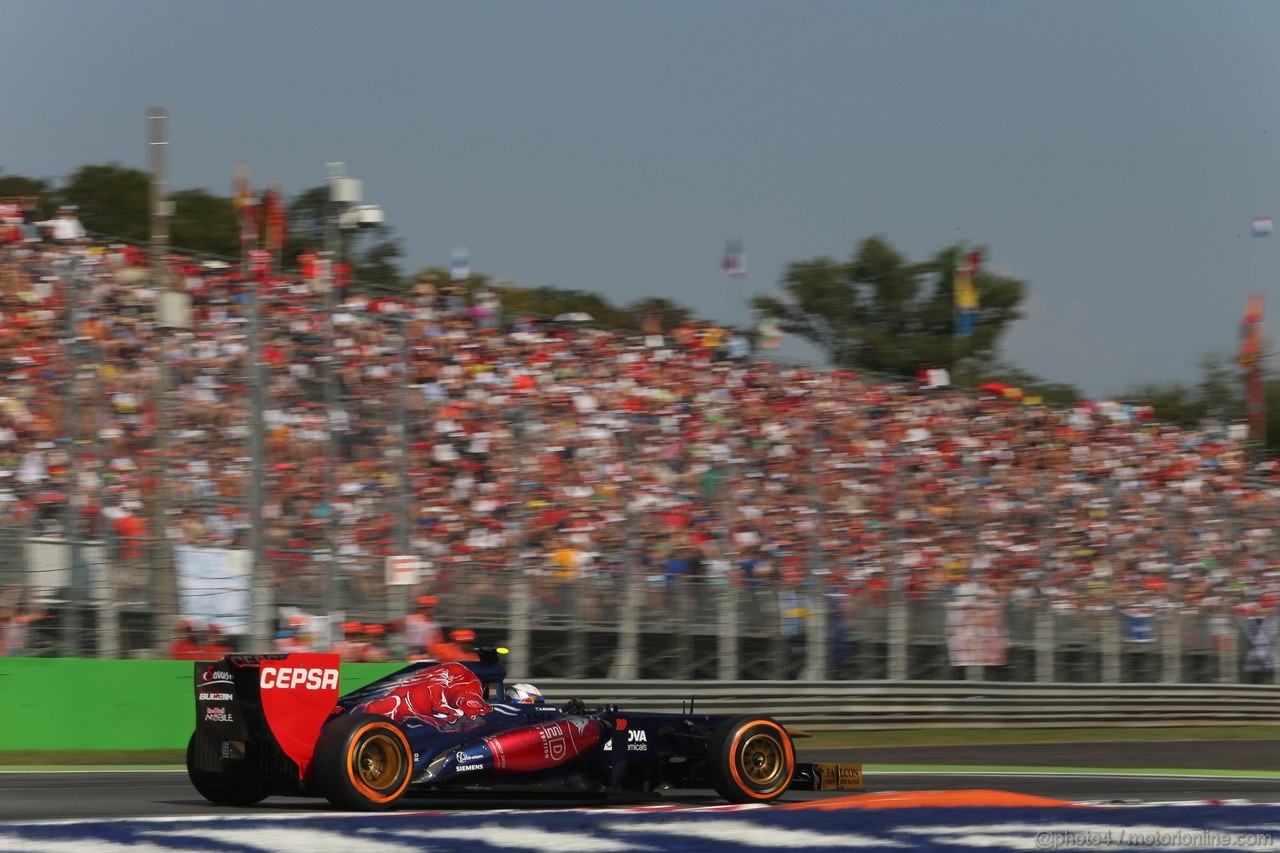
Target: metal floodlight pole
111,637
403,524
164,580
816,634
262,598
402,423
72,636
343,212
335,173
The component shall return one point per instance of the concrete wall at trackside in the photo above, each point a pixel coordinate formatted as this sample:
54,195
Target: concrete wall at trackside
73,704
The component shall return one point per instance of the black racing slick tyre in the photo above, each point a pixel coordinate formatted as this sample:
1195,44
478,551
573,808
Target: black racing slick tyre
362,762
750,760
221,788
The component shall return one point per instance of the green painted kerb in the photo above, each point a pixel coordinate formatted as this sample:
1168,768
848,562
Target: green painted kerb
74,704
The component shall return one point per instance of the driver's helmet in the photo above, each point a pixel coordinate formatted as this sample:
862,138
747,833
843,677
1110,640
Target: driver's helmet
524,694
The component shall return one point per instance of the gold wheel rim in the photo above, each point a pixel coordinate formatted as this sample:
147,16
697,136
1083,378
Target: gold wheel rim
762,760
379,762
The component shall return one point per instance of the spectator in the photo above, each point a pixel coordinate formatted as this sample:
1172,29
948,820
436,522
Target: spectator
187,645
421,631
15,623
350,647
374,646
294,637
459,647
65,229
215,644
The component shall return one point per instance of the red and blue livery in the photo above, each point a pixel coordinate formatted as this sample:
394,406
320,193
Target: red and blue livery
269,725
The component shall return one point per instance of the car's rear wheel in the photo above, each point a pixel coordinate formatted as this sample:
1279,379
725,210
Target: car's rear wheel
362,762
224,789
750,760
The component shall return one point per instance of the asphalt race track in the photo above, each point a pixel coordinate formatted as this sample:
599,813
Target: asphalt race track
54,796
37,795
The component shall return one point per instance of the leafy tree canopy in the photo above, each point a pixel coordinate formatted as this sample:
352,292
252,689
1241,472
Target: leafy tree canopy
113,200
204,222
650,315
16,186
881,312
657,314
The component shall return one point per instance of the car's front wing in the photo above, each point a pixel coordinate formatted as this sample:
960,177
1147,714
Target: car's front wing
825,776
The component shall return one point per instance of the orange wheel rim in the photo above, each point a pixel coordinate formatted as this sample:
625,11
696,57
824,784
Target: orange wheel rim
378,766
762,761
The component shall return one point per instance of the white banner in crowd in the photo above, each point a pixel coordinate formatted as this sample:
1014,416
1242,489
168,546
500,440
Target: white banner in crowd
975,634
48,563
402,570
213,587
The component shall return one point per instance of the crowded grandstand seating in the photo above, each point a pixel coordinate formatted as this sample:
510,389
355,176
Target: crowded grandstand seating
591,452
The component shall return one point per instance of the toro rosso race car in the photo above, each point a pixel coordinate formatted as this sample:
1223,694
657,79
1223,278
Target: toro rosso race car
276,725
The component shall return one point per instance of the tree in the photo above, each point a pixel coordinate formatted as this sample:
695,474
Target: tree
1272,415
16,186
1218,394
1221,387
665,314
548,301
379,262
113,200
204,222
1171,402
880,312
308,220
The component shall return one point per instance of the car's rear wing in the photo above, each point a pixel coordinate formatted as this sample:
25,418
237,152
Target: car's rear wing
250,707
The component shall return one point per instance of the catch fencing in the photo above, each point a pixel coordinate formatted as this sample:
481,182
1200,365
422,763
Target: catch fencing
613,623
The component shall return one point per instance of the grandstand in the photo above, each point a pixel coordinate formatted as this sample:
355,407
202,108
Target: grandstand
606,503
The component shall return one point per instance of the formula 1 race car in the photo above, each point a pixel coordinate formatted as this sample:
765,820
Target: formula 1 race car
276,725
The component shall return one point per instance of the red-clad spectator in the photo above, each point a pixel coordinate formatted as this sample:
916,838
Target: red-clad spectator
421,630
187,644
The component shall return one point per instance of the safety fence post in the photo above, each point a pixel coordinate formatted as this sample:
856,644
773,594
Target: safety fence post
1044,645
897,633
1110,642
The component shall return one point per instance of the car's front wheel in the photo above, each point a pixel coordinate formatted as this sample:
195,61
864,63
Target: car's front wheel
750,760
362,762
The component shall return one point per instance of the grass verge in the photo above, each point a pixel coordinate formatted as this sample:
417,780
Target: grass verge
97,757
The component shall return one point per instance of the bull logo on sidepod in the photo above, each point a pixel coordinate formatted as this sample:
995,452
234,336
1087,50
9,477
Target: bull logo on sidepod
438,696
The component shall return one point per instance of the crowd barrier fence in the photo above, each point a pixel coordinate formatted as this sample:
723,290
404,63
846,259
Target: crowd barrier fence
622,625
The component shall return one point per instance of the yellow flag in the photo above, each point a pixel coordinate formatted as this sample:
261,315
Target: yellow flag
966,295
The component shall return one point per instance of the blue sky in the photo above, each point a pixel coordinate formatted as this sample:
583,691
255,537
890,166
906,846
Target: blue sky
1110,153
